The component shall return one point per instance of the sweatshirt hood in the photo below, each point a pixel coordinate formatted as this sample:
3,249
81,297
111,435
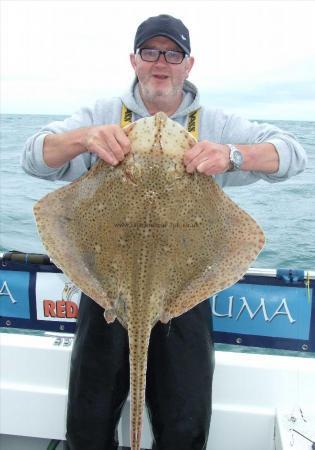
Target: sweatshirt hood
133,101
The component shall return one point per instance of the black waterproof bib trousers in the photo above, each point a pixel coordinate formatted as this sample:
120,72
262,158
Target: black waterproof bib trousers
179,380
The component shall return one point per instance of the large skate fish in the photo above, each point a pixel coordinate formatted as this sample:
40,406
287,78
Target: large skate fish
146,240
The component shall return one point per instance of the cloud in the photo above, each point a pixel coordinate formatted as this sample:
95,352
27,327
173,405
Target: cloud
288,95
270,92
51,63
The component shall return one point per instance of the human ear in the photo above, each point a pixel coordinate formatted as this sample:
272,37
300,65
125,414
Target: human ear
189,64
133,60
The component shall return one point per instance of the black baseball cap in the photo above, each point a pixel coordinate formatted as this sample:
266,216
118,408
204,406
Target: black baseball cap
163,25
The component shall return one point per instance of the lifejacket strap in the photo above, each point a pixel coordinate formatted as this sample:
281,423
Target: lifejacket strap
192,122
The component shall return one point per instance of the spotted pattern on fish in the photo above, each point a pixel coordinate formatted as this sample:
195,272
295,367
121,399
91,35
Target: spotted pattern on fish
146,240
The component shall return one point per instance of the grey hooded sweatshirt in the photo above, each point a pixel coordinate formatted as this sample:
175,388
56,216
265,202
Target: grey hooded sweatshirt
214,126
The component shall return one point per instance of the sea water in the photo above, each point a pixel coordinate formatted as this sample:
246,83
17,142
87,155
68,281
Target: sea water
285,211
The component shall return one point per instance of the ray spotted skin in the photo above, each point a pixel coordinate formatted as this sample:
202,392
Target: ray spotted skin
146,240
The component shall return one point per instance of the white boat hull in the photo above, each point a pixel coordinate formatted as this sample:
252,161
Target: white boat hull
253,395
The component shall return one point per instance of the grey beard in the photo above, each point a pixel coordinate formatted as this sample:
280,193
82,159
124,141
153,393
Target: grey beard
160,95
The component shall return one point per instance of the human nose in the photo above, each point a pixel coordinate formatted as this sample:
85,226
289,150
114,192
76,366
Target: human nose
161,58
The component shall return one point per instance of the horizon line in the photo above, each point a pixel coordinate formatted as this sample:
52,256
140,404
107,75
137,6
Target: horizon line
69,115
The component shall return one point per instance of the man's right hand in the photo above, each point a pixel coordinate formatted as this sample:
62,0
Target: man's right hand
109,142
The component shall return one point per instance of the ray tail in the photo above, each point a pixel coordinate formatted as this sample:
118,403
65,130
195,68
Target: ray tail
138,346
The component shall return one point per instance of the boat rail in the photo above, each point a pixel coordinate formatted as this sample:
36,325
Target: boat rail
269,308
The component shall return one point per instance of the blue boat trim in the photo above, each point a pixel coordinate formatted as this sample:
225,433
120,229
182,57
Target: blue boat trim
276,312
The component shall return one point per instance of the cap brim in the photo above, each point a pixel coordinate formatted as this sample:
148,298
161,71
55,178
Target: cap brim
179,43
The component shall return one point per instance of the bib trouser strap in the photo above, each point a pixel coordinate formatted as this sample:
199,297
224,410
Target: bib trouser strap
126,116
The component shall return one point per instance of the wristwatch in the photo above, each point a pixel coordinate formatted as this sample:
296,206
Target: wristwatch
236,158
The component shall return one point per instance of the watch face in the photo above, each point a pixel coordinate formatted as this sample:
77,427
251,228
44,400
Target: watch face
237,158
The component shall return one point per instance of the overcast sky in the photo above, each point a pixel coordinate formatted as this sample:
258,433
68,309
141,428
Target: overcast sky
256,58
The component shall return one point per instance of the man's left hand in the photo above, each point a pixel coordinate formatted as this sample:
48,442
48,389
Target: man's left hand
208,158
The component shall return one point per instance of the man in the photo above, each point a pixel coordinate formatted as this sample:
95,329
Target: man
236,152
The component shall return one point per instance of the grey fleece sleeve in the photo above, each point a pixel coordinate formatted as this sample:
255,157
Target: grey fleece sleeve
32,157
104,112
237,130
